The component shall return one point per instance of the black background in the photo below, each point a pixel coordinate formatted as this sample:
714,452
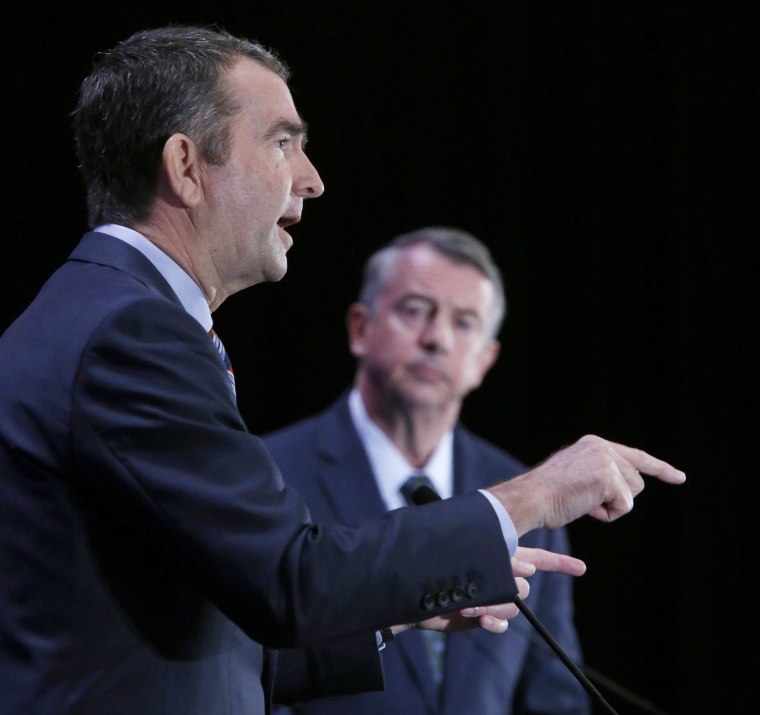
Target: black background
605,153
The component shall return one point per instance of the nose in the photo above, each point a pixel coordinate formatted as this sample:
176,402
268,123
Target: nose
438,334
307,183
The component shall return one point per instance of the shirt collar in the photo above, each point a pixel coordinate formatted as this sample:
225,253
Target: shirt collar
186,289
389,466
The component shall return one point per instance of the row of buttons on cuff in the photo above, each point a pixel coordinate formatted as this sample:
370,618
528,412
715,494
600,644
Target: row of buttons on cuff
443,598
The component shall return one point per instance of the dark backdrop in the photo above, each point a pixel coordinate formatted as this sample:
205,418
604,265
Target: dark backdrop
604,151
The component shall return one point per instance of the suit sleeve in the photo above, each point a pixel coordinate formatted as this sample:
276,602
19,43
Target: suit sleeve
342,667
157,439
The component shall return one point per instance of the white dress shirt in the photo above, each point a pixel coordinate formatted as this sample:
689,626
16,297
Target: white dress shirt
391,469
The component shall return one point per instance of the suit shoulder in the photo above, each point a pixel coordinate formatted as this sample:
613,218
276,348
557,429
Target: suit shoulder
311,443
88,293
488,455
292,440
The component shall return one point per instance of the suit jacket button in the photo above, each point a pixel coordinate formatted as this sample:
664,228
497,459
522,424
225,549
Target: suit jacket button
428,602
457,594
443,599
472,590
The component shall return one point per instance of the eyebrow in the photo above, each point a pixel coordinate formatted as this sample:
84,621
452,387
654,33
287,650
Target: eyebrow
414,296
286,126
432,301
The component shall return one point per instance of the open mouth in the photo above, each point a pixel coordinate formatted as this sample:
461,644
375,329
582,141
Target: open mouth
282,224
285,221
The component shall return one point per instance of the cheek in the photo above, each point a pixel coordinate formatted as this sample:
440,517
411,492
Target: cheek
399,346
385,351
471,371
388,350
278,178
266,194
264,184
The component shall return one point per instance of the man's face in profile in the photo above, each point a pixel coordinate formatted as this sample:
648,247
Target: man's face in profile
258,192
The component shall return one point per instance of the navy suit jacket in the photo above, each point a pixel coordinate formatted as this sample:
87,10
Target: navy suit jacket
324,459
148,545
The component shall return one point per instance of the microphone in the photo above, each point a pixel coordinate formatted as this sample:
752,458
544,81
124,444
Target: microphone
425,494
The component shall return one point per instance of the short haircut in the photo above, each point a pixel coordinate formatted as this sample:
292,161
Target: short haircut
154,84
458,246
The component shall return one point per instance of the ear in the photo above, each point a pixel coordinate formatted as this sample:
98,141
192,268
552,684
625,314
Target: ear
182,167
357,322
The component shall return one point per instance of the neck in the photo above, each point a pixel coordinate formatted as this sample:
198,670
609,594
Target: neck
415,430
183,245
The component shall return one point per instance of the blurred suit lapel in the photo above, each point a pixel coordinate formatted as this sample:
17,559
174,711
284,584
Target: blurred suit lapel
345,476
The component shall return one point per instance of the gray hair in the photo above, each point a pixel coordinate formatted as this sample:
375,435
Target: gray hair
458,246
154,84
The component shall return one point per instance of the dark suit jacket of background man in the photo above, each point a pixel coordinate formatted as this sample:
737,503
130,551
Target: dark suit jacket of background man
147,540
324,459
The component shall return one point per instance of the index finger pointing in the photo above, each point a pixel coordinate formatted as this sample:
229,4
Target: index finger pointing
648,464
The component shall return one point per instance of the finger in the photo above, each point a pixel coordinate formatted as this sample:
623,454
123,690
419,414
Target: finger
617,497
521,567
619,502
501,611
648,464
523,587
629,473
544,560
493,625
600,512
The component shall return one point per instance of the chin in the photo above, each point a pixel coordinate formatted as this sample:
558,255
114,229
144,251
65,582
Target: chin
277,272
422,400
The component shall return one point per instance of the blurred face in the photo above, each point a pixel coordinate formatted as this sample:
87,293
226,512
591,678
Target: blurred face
428,344
251,200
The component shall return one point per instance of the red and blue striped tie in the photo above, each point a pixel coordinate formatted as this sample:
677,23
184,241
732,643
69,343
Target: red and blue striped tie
220,347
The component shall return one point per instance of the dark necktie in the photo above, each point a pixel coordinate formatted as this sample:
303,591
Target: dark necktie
435,642
227,364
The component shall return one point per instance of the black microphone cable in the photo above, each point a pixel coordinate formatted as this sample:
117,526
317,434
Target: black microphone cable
564,657
424,495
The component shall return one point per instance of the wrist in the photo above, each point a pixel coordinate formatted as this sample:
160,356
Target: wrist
522,501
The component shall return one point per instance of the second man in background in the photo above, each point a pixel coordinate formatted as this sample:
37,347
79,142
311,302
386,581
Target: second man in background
424,334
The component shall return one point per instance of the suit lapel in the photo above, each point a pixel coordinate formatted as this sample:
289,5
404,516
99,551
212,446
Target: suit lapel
345,476
468,476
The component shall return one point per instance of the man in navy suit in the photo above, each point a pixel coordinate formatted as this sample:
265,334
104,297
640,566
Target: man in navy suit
149,549
424,332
